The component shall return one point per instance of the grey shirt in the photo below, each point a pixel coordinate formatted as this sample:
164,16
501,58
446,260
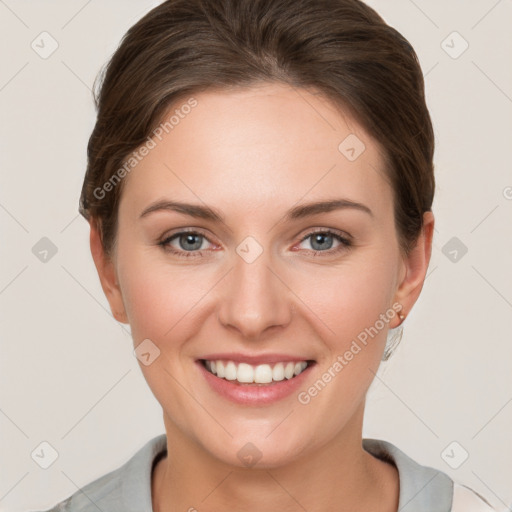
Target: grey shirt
128,488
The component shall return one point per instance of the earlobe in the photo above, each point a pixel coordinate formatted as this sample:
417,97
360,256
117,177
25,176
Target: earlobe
416,266
107,275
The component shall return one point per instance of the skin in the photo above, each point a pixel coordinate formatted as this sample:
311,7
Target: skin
253,154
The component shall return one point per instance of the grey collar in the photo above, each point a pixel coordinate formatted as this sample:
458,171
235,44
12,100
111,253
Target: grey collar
422,488
128,488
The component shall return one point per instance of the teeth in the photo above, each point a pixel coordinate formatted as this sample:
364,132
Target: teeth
263,374
230,371
245,373
260,374
221,372
278,372
289,370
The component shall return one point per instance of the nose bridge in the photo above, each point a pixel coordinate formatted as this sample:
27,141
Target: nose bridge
254,298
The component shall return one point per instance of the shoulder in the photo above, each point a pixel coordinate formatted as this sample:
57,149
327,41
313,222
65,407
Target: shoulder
126,488
423,488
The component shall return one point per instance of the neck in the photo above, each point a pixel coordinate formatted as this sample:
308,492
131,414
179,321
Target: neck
339,476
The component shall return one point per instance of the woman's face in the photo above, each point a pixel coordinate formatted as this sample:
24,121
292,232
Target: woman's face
259,285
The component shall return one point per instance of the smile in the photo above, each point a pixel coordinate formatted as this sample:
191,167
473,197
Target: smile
245,373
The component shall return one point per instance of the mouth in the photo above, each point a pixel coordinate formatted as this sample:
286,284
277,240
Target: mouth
265,374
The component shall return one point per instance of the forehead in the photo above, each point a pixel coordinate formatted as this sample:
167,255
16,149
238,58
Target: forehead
260,147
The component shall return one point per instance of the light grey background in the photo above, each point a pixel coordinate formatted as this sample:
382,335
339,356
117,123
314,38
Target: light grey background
68,375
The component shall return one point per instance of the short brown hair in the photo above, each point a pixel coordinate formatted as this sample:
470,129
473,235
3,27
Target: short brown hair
341,48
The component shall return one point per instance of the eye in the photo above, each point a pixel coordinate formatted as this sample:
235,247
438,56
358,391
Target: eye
186,244
322,241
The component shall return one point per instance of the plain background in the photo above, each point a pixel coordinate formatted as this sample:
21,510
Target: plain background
68,375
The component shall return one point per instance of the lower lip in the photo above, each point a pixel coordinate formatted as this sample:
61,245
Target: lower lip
254,394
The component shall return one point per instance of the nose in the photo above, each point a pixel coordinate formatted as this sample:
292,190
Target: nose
255,298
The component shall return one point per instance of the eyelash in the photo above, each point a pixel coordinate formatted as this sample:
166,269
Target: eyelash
345,243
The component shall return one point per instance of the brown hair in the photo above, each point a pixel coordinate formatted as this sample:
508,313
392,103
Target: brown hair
341,48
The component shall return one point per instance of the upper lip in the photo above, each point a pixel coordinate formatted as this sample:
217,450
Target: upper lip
238,357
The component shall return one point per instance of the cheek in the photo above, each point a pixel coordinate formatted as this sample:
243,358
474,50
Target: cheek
351,297
159,298
355,303
159,303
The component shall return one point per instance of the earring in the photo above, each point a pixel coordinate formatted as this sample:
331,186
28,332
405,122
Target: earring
394,338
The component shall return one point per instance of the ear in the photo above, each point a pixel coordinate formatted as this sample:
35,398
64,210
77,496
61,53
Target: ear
107,274
416,265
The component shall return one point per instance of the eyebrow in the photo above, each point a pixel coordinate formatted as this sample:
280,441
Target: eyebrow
298,212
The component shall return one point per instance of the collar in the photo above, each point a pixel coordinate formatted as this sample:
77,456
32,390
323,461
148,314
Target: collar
422,488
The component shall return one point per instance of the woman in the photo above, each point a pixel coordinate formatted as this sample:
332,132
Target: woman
259,190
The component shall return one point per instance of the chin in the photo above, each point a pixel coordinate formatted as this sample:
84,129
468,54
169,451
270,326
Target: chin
257,452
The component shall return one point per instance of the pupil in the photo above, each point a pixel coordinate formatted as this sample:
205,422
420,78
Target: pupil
321,239
190,239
